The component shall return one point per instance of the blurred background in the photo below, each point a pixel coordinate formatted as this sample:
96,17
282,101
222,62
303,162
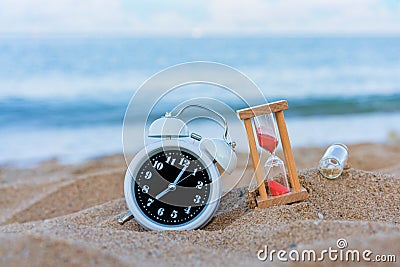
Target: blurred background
68,68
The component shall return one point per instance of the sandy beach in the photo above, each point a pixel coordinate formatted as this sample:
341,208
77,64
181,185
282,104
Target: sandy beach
65,215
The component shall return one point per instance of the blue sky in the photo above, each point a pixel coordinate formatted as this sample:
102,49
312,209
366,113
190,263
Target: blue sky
199,18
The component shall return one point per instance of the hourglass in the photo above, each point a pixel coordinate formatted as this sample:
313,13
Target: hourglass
280,191
274,167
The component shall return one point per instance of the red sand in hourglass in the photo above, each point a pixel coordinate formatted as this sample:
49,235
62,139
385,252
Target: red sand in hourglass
276,188
266,141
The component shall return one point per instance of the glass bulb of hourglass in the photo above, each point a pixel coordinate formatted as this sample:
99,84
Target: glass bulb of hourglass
276,176
266,140
274,167
265,130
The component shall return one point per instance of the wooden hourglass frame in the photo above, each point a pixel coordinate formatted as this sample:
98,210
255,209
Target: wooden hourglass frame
297,193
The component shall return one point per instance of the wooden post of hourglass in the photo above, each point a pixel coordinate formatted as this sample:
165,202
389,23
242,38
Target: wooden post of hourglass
256,159
297,193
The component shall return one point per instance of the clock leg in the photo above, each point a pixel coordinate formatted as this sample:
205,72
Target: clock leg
127,217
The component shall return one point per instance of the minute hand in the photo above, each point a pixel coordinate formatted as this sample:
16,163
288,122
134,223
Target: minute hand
171,187
180,175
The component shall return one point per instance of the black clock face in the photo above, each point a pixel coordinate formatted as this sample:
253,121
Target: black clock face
172,187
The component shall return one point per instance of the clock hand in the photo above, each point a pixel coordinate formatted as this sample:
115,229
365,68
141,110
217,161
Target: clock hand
160,195
180,175
172,186
186,177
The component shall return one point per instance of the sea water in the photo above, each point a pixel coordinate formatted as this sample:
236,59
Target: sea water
65,98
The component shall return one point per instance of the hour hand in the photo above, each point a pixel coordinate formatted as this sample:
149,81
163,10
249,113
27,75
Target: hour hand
172,186
160,195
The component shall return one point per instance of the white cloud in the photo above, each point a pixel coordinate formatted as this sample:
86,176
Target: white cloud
64,16
307,16
208,17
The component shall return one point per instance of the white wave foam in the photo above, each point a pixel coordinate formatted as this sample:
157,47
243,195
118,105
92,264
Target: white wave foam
76,145
61,86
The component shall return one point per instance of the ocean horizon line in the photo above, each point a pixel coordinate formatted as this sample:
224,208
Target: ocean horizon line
86,111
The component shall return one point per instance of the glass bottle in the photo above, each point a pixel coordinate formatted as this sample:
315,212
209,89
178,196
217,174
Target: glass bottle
333,161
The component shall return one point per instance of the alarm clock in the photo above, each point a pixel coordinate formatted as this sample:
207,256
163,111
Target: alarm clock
174,183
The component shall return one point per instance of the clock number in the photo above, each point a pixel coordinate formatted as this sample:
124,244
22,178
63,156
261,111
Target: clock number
158,165
194,171
149,202
170,160
199,185
160,211
145,188
148,175
187,210
174,214
197,199
184,162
